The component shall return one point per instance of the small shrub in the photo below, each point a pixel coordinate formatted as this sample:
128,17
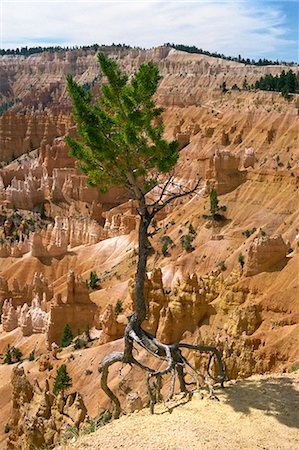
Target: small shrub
91,427
186,242
62,380
80,343
88,372
94,280
165,249
167,240
118,307
248,233
87,333
94,424
17,354
192,230
294,367
31,356
8,356
67,336
154,224
6,428
241,260
222,266
70,433
214,207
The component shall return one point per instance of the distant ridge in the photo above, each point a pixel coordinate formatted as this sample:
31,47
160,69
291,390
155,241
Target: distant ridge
27,51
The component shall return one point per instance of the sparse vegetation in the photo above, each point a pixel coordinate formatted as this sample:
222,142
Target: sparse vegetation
241,260
248,233
80,343
239,58
165,249
12,355
118,309
222,266
31,356
192,230
215,209
7,428
94,281
62,380
70,433
94,424
66,336
294,367
167,242
186,242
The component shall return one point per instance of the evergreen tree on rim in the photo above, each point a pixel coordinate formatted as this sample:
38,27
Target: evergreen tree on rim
122,144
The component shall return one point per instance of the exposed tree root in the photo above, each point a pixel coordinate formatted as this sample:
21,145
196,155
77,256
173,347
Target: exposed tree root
177,365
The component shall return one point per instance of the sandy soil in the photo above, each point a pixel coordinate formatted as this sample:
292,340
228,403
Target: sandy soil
257,413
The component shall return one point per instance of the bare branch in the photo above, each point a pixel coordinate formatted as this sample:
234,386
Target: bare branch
157,207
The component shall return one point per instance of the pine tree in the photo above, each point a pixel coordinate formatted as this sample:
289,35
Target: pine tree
93,280
121,143
66,336
62,380
8,357
214,208
17,354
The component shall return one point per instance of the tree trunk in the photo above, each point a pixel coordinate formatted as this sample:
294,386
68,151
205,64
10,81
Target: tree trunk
143,250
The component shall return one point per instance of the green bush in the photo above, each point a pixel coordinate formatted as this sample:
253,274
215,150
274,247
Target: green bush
12,355
6,428
31,356
192,230
222,266
66,336
294,367
165,249
94,424
80,343
186,242
248,233
94,280
8,356
118,307
17,354
214,207
62,381
70,433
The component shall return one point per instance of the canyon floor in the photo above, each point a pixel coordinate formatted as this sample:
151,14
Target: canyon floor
260,412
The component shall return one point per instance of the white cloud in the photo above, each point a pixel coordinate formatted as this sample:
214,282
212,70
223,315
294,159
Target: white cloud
229,27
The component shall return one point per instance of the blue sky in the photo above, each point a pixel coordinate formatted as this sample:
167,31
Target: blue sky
252,28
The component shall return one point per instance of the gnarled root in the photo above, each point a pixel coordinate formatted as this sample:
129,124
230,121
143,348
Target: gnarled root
177,364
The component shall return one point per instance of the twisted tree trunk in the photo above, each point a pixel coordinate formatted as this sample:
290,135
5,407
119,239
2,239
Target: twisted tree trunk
177,363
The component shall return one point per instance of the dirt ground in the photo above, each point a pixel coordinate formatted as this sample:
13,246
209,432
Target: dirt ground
261,412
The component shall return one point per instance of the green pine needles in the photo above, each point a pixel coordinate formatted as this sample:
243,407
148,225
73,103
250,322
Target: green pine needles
62,380
121,132
66,336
